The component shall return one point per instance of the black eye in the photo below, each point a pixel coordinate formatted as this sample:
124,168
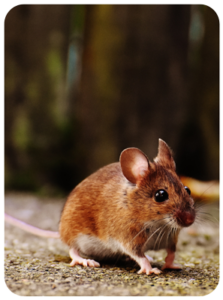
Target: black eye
161,195
188,190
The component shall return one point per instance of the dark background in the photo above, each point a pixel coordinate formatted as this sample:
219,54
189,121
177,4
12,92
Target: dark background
83,82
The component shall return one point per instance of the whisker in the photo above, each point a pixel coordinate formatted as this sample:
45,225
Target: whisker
146,225
161,232
202,213
153,234
205,206
212,184
211,219
171,231
161,237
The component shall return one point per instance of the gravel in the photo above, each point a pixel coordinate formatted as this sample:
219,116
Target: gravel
36,266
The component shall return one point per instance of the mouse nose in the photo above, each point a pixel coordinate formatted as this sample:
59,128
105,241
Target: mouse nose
185,218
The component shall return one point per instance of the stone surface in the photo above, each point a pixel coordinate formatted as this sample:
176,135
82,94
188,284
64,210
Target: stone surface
36,266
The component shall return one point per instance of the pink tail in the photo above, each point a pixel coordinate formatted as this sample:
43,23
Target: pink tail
31,229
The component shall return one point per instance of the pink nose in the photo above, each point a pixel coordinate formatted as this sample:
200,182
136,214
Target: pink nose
185,218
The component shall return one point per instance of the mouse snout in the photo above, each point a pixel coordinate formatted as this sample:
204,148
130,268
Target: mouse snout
185,218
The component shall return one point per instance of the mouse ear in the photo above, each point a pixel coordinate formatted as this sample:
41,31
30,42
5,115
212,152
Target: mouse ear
164,156
134,164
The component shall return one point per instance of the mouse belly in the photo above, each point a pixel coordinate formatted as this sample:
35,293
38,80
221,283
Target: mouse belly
93,247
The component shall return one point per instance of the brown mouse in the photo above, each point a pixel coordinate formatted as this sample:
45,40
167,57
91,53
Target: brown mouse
128,207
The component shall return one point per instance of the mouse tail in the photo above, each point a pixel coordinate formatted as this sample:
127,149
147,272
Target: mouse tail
31,229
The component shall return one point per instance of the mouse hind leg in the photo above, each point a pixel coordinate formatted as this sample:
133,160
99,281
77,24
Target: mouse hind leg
78,260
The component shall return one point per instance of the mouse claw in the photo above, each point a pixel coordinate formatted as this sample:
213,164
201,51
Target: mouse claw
78,260
85,262
147,268
150,271
92,263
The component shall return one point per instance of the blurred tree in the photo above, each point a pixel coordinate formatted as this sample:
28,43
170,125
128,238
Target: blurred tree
36,41
198,149
151,71
134,84
84,82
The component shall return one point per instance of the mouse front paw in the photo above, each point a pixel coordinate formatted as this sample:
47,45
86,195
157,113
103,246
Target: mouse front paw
78,260
84,262
147,268
169,261
149,271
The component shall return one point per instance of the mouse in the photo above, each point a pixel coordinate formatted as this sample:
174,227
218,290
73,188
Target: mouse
125,208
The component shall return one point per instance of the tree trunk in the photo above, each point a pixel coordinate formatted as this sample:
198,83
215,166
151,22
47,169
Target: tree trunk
134,84
36,45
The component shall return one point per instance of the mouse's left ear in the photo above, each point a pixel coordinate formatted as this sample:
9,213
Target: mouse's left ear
164,156
134,164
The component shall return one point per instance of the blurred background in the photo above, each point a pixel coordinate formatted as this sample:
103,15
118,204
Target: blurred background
83,82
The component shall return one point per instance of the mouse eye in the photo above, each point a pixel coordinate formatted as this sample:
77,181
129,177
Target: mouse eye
188,190
161,195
